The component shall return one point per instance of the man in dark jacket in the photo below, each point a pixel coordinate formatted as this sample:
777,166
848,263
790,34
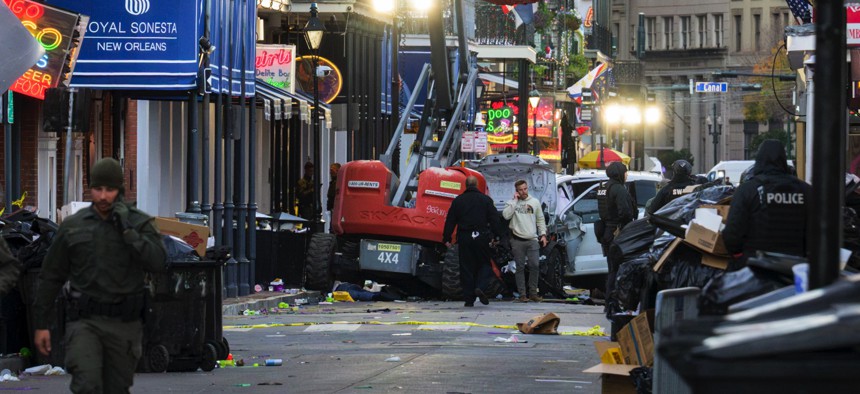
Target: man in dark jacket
103,252
680,180
768,212
616,208
478,224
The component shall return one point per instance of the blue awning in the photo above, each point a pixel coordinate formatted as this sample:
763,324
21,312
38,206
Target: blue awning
151,45
233,33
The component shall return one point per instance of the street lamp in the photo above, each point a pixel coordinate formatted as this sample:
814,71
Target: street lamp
715,130
314,30
534,100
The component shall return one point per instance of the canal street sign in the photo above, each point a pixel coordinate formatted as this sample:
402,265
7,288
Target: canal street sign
712,87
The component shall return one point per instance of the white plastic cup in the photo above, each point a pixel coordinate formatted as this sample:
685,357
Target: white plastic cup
801,277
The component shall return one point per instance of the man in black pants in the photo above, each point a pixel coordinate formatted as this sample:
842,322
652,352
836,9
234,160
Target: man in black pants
616,208
478,224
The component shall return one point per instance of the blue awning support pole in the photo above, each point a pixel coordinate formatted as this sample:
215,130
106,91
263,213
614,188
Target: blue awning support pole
232,289
242,205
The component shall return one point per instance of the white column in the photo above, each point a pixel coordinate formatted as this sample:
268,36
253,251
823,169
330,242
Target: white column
47,172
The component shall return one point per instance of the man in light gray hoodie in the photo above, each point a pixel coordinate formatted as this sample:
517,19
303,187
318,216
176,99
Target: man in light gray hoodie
527,228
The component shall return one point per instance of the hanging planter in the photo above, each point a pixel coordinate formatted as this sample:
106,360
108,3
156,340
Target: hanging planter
570,21
543,18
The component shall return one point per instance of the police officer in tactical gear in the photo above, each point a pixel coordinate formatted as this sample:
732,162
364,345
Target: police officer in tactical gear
768,212
616,208
680,180
477,221
103,252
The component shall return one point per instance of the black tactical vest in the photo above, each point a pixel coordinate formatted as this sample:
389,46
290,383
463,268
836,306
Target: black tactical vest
610,219
779,216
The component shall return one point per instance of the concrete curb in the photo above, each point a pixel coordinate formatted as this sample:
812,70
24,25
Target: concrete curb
235,309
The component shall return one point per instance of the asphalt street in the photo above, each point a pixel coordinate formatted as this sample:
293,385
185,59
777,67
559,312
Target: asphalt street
410,347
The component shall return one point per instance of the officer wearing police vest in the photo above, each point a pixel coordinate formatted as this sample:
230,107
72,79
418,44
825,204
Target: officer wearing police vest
616,208
768,212
103,252
680,180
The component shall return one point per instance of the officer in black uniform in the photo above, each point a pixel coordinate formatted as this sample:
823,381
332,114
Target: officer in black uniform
477,221
680,180
616,208
768,212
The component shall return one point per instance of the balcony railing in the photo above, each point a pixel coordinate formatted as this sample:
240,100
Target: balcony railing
494,27
600,39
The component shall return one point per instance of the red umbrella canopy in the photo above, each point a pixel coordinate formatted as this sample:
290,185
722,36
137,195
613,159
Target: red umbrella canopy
592,159
511,2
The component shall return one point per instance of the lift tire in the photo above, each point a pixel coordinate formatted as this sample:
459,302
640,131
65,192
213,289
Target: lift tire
320,255
451,288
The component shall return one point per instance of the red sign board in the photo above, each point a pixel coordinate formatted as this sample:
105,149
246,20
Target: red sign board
53,29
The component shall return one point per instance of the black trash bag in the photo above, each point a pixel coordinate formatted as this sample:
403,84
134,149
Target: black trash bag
668,226
736,286
628,284
633,240
688,271
662,239
32,255
178,250
683,208
643,379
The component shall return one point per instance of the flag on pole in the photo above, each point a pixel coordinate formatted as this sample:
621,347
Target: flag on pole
526,12
506,9
801,9
575,90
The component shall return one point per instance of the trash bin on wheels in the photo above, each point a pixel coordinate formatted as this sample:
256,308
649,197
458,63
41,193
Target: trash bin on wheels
182,317
29,286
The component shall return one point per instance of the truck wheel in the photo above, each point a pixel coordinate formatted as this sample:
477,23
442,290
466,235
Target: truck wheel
552,275
451,289
318,275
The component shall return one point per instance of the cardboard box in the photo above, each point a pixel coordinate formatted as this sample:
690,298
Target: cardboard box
637,343
615,378
705,239
708,240
194,235
636,347
714,261
666,253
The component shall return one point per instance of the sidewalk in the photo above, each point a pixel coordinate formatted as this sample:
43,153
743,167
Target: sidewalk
266,300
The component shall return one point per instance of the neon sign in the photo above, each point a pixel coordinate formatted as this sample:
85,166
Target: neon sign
275,64
500,122
53,29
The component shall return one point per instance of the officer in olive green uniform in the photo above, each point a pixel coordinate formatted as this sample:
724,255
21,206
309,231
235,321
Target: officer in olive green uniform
103,251
10,268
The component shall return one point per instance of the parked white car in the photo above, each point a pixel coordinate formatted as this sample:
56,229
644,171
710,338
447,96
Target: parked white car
577,213
571,205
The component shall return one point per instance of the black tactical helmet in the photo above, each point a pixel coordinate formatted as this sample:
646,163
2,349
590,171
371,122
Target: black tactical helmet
106,172
681,168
